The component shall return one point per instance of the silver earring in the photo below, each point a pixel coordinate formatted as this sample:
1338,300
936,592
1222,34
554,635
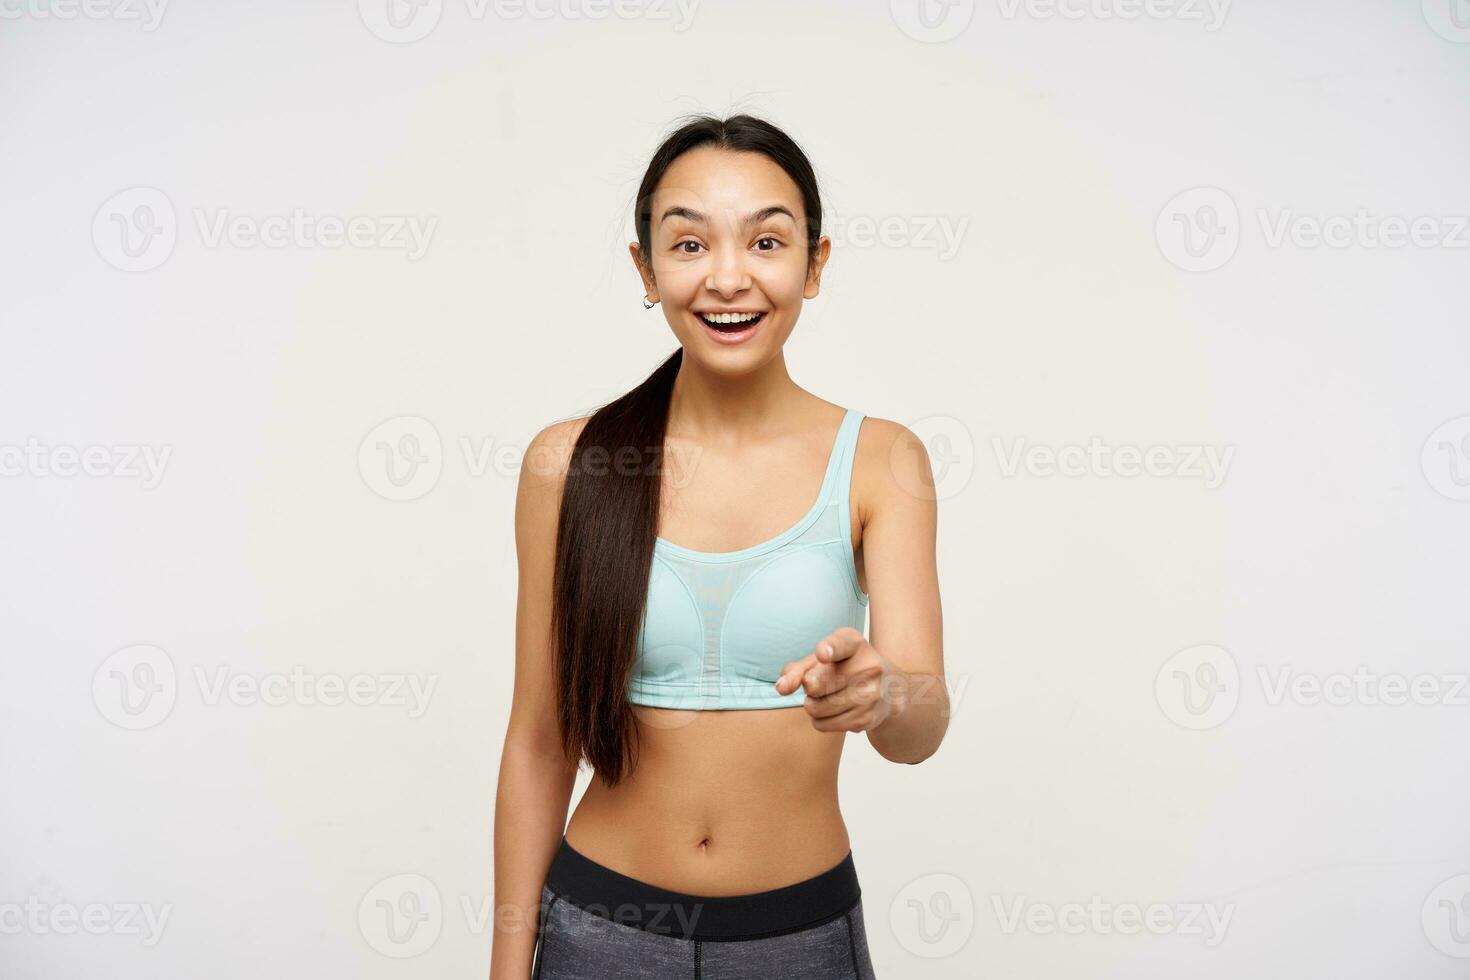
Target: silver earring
646,304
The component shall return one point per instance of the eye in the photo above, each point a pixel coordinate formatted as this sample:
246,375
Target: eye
775,243
679,247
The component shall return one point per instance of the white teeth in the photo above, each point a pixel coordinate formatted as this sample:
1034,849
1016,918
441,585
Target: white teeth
729,317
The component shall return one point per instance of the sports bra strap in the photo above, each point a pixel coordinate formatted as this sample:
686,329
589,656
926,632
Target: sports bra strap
839,470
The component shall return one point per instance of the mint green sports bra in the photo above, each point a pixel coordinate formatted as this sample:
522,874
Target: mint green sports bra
719,626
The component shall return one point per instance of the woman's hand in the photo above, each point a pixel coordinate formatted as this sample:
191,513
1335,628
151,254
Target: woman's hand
850,687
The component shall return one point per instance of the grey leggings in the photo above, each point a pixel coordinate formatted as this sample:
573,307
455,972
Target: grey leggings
598,924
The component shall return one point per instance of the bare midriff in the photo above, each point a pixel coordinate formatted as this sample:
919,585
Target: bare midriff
719,803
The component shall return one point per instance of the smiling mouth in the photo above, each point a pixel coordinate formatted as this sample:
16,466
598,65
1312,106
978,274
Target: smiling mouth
728,323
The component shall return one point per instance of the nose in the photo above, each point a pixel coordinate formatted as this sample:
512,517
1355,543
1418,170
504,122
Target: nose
727,273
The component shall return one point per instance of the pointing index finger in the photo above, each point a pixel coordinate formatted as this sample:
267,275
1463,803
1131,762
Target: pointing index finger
790,678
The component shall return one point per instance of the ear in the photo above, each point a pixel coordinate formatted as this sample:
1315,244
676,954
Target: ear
814,270
650,287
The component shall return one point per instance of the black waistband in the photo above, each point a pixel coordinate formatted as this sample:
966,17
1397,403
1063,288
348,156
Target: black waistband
602,891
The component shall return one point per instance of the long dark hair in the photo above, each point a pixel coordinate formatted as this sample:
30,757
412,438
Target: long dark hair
610,506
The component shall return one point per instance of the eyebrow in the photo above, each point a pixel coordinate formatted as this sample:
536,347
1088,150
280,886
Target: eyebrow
753,218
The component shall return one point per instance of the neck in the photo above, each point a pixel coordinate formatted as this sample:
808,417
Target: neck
706,403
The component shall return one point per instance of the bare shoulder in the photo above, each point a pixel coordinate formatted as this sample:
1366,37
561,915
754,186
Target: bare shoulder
543,474
550,450
891,469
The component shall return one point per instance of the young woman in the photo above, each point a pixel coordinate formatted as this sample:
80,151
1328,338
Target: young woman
697,561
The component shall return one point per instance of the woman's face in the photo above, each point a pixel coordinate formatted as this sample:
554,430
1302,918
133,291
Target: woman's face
728,236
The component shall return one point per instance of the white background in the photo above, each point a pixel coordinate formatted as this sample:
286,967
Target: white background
276,835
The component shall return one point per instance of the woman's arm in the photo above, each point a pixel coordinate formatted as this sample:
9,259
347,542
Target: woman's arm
900,515
536,780
891,687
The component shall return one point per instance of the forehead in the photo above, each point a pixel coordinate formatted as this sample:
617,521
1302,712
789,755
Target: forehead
725,184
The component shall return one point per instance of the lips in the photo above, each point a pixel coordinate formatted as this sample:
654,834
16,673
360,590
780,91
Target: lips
732,333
